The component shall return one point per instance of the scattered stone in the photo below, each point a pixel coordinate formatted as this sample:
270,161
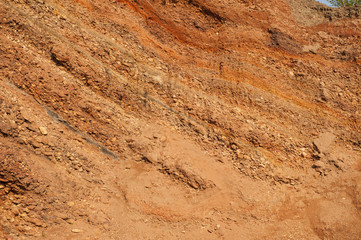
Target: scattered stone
35,221
26,115
324,141
27,229
35,143
311,48
15,211
337,162
76,230
5,129
318,164
150,158
61,215
48,153
43,130
70,221
325,94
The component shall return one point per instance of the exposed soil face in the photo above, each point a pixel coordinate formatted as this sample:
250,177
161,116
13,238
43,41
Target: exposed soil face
172,119
309,12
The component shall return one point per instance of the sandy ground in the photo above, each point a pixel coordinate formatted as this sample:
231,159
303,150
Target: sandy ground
174,119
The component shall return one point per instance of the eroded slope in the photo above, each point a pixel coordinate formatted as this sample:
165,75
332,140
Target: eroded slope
178,120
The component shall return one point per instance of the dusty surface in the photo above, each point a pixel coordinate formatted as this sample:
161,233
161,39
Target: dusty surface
174,119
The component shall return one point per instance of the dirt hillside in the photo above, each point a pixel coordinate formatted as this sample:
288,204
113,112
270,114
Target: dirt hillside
179,119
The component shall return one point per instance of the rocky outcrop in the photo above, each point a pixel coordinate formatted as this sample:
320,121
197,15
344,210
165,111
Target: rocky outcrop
179,119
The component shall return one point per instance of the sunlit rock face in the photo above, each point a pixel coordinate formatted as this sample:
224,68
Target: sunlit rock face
174,119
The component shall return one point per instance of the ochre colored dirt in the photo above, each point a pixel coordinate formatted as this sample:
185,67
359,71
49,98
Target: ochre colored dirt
179,119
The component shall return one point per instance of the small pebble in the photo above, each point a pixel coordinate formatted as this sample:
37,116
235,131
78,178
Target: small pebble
70,221
43,130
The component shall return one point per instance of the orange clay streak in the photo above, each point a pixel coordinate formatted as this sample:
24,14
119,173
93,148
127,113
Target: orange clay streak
150,14
314,108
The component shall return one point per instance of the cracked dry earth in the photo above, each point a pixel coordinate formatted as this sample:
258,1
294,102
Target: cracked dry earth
175,119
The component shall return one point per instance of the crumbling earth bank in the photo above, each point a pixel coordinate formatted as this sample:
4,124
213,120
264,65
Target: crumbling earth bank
179,120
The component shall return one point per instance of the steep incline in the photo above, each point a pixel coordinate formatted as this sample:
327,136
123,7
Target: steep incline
179,119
